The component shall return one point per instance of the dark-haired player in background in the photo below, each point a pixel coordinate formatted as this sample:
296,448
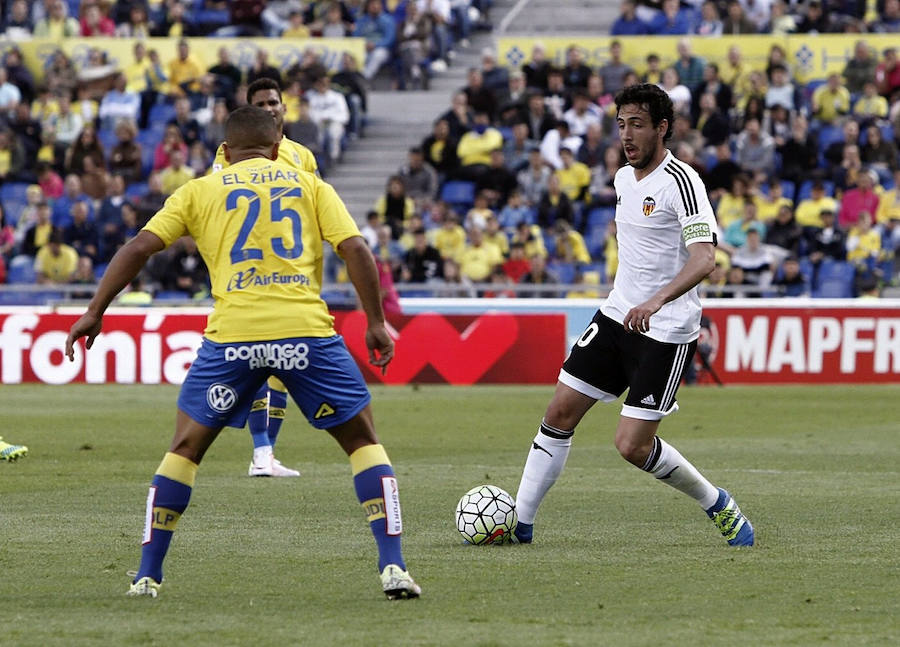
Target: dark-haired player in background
270,403
644,336
260,227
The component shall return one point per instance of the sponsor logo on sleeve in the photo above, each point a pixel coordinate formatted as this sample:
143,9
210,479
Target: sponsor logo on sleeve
697,230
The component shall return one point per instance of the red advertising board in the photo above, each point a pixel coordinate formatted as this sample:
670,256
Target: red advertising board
762,344
749,341
153,346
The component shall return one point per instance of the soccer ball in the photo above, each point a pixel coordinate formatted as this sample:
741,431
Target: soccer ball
486,515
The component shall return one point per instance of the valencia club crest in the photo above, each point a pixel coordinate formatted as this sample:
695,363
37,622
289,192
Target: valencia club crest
649,205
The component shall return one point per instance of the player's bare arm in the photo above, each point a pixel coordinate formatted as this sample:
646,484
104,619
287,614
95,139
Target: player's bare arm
364,276
123,267
701,261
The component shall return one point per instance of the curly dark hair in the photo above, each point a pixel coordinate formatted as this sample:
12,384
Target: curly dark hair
651,98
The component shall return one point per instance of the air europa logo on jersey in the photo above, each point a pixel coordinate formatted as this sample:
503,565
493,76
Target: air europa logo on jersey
250,277
649,205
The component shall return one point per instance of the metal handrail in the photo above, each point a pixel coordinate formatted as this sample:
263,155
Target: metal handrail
512,15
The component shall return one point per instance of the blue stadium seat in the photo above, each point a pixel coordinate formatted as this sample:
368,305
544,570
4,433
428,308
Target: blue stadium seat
596,241
136,190
149,138
806,190
21,270
13,197
828,135
565,272
107,139
600,217
100,270
835,280
161,114
458,194
171,295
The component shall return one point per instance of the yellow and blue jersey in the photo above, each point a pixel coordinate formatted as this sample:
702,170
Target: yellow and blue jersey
289,152
259,226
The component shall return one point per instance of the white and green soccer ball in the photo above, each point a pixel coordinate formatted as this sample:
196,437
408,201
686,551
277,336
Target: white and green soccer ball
486,515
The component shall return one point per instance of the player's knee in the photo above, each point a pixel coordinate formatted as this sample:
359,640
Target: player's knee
633,450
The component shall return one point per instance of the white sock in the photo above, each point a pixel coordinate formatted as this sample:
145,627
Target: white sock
670,467
262,454
546,459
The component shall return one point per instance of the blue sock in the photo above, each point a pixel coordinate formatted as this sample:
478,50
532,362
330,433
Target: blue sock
376,489
277,405
259,418
169,495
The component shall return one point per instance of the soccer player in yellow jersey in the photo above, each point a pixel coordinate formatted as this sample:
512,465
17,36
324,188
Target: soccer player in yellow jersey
267,412
260,227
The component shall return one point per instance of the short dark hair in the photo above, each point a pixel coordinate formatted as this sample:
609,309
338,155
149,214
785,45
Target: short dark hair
264,83
654,99
250,127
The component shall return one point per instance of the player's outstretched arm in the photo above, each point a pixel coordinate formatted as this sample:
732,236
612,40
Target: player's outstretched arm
701,261
123,267
364,276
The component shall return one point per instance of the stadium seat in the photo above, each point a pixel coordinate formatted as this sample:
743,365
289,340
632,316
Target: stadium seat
458,194
600,217
171,295
835,280
107,139
565,272
596,241
21,270
806,190
13,197
136,190
160,115
100,270
149,138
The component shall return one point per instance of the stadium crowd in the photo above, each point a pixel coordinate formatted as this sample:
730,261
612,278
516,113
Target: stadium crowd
513,186
515,183
89,150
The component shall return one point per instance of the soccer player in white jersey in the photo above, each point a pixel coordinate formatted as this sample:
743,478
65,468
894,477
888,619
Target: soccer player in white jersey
643,337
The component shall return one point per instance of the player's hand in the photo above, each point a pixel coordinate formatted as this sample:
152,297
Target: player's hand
381,347
638,318
87,326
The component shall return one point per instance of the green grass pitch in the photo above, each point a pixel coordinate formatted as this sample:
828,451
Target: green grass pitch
618,560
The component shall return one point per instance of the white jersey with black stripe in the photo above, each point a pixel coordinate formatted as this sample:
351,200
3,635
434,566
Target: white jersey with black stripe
656,219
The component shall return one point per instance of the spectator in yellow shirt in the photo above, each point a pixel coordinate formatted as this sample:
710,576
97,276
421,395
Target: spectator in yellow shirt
767,206
57,24
831,100
570,245
495,235
574,177
531,238
474,149
450,238
870,105
55,262
808,213
889,203
177,173
479,258
863,242
731,205
184,71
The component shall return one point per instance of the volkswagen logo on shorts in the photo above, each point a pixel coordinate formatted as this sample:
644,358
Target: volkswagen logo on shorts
221,397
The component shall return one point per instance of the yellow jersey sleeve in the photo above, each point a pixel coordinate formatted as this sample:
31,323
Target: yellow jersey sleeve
169,223
335,222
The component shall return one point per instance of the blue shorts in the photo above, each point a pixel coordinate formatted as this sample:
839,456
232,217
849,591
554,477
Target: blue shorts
318,372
